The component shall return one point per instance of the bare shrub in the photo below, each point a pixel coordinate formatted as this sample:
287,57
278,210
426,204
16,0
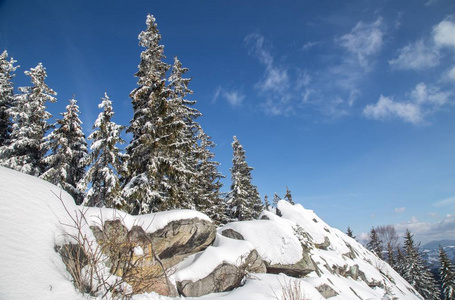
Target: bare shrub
291,290
114,268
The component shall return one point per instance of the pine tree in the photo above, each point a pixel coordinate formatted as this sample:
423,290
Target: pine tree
67,160
243,199
390,255
415,272
288,196
26,147
6,96
399,263
375,244
144,184
105,160
447,274
350,233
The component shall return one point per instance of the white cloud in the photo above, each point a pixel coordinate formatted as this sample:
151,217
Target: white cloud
400,210
427,231
233,97
364,40
416,56
444,34
309,45
386,108
422,101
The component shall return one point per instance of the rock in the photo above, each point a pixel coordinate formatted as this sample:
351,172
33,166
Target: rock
298,269
230,233
323,245
183,237
224,277
326,291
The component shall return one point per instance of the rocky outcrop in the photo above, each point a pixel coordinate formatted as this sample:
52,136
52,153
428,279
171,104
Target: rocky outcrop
224,277
298,269
153,254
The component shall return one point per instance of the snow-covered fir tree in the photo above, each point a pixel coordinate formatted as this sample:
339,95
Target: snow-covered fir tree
447,275
106,161
6,96
207,185
288,196
26,148
415,271
243,199
375,244
67,159
144,183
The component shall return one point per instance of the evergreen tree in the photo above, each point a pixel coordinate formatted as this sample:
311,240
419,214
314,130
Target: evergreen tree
266,203
206,195
375,244
399,263
6,96
447,274
390,255
145,185
276,199
288,196
105,160
243,199
26,148
67,160
350,233
416,272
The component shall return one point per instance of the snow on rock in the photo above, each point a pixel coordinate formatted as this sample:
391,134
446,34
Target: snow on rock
223,250
31,219
149,222
277,244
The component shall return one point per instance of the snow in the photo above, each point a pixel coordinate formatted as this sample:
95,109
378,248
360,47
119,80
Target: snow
150,222
33,221
224,250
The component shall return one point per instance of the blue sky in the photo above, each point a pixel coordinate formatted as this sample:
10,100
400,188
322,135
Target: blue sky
349,103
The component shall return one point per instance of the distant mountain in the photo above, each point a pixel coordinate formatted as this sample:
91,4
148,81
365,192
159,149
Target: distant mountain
430,251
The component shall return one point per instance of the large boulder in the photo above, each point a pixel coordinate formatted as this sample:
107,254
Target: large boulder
221,267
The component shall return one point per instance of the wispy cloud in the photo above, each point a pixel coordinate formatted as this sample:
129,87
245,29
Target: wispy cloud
416,56
445,202
444,33
400,210
233,97
422,101
364,41
307,46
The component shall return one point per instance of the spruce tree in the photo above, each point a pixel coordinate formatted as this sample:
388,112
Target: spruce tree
243,199
375,244
350,233
276,199
26,147
288,196
6,96
415,272
67,160
447,274
144,184
266,203
105,160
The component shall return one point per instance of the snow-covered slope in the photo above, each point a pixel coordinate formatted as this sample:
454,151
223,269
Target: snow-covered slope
32,219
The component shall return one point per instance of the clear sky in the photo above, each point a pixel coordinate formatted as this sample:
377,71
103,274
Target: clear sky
348,103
